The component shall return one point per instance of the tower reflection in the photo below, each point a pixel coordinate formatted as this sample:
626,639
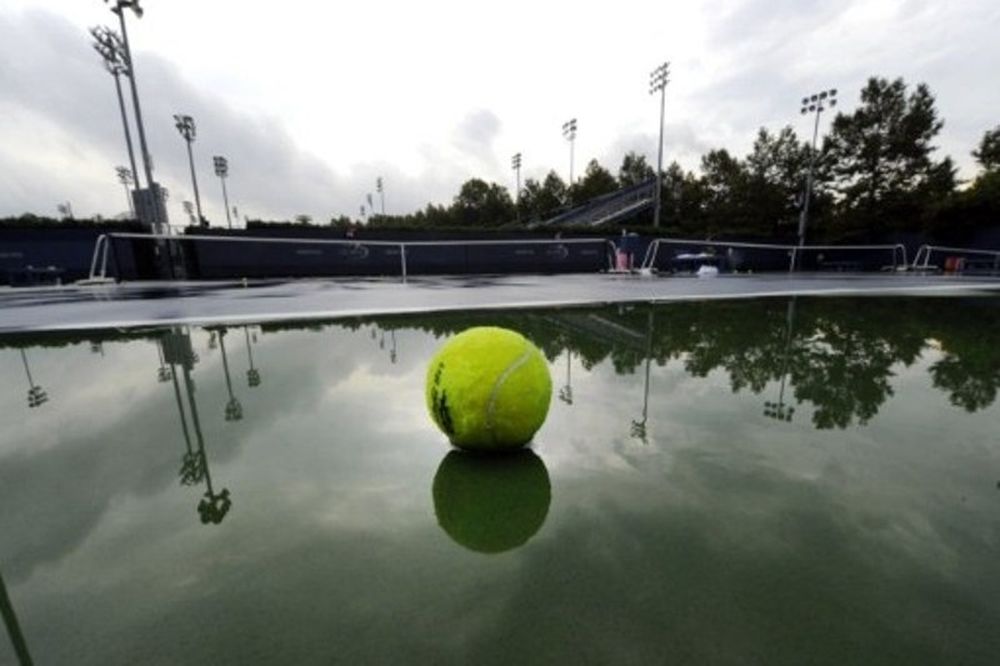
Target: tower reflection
779,411
177,350
13,626
234,410
36,394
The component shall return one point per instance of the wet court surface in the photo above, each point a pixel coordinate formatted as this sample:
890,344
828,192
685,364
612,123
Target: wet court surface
782,480
153,304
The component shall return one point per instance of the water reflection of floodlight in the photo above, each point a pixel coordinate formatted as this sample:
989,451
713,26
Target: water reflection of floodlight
234,410
639,427
816,103
36,394
658,80
253,375
566,392
778,410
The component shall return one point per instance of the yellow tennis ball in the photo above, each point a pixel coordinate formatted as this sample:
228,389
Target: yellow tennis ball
488,389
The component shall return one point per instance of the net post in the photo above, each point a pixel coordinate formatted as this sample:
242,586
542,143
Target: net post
97,251
104,261
402,260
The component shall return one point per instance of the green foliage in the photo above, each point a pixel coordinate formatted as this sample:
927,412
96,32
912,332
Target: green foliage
634,170
597,181
988,152
482,204
880,156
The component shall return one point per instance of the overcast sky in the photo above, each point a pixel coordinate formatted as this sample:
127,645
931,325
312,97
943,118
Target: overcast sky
312,101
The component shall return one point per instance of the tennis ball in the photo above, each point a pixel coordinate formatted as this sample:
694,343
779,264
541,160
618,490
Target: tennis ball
488,389
491,504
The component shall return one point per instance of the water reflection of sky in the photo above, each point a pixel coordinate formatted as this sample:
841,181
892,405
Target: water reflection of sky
791,480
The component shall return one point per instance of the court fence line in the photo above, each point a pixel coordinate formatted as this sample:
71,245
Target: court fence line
99,259
899,257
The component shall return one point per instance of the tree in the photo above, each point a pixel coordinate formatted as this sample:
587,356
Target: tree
988,153
596,181
540,201
881,155
725,180
482,204
634,170
776,169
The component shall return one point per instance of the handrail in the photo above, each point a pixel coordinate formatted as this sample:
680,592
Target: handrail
924,253
794,250
103,242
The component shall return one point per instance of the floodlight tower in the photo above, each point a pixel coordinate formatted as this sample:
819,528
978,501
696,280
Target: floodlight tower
222,170
569,133
658,80
185,125
109,46
125,178
118,7
515,164
816,104
381,193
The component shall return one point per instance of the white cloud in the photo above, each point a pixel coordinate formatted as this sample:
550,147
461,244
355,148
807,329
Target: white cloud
311,102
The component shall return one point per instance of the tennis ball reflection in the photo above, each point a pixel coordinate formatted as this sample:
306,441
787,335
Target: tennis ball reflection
491,503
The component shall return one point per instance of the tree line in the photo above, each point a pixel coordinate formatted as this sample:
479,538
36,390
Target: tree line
876,171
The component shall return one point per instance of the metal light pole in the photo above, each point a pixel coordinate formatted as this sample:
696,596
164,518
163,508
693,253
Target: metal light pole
569,133
515,164
119,8
381,193
185,125
658,80
125,178
109,46
813,104
222,170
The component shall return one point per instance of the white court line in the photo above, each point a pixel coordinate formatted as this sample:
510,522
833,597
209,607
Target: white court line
311,315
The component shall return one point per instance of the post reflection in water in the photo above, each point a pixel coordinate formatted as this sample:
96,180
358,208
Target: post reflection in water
13,626
178,351
234,410
36,394
779,411
253,374
639,427
566,392
491,503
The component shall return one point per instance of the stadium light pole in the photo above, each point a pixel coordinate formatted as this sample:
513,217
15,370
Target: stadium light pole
816,104
108,45
515,164
222,170
118,7
569,133
185,125
658,80
125,178
381,193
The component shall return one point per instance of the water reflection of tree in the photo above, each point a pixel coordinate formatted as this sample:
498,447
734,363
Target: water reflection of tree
840,356
970,368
